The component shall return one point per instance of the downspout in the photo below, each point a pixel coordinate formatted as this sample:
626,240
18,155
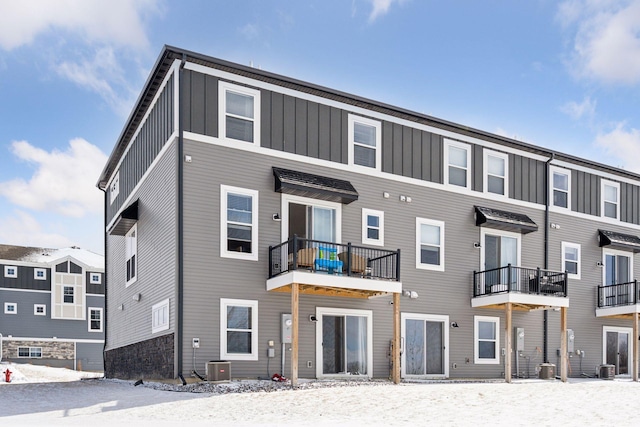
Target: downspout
545,322
179,327
104,320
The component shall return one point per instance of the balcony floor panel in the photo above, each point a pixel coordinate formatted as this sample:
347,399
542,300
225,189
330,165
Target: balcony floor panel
519,300
333,285
621,311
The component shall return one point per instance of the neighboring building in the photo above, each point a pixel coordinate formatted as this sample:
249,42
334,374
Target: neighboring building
52,307
235,196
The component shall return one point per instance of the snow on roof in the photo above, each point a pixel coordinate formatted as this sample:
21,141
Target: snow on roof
46,255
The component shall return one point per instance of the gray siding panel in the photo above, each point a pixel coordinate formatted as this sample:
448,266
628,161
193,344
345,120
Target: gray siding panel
586,193
313,130
301,137
407,152
325,138
478,167
336,134
629,208
197,91
289,124
265,119
277,121
210,106
416,148
397,149
25,279
387,147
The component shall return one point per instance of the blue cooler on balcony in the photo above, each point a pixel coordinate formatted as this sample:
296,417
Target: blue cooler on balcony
328,260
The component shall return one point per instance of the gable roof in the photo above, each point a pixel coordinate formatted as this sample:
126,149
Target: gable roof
48,255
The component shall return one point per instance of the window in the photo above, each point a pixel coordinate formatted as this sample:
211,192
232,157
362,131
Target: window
160,316
618,267
40,274
372,227
486,340
571,259
95,278
10,308
39,310
114,188
31,352
495,173
239,227
239,329
458,161
610,199
11,271
240,113
95,319
131,249
429,244
364,142
560,184
67,293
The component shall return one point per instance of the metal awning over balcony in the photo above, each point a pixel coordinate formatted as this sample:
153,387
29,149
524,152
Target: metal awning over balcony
315,186
504,220
125,221
625,242
331,269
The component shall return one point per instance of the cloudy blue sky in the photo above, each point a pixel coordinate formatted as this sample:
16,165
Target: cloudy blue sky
560,74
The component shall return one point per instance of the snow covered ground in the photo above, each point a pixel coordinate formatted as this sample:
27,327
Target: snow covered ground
49,396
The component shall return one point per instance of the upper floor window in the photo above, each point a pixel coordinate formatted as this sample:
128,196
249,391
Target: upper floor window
560,184
95,319
160,316
364,142
239,113
238,329
40,274
571,259
457,164
114,188
39,309
131,254
429,244
372,227
10,308
95,278
610,199
11,271
239,223
496,166
68,295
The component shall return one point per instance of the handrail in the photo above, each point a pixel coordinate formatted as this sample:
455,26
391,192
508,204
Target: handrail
618,294
520,279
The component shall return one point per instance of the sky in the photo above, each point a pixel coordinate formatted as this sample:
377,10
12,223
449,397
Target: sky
559,74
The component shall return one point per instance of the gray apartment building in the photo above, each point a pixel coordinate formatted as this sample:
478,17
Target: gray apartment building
52,303
290,228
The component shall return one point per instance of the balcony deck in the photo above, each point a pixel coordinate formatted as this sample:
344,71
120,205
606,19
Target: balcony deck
620,300
525,288
332,269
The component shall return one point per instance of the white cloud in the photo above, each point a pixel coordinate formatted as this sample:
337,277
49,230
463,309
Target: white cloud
118,22
381,7
250,32
24,230
587,108
606,43
623,144
63,182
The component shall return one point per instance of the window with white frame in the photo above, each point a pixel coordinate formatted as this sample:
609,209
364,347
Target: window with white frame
364,142
10,308
496,166
372,227
238,329
95,278
610,206
239,223
95,319
30,352
131,254
40,274
39,309
114,188
11,271
68,294
429,244
561,185
160,316
571,259
239,113
486,340
458,164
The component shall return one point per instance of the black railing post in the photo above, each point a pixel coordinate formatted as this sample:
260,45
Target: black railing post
349,259
295,251
475,284
398,266
538,276
270,262
509,278
635,291
566,283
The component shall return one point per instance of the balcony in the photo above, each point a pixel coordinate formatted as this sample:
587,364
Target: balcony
525,288
620,300
333,269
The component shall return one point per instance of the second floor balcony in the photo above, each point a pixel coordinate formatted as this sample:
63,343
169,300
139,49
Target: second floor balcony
618,300
528,288
335,269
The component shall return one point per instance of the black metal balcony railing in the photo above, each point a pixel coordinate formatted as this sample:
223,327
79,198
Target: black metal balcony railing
618,294
534,281
333,258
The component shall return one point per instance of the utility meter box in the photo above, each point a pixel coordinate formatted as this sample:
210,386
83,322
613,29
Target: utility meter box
519,339
570,341
287,329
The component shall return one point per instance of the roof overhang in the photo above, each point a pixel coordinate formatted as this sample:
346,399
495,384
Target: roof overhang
625,242
314,186
504,220
125,221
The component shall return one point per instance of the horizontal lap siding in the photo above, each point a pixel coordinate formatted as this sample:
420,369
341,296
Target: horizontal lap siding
156,259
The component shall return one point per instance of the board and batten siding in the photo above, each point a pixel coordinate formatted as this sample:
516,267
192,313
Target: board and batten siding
25,278
156,258
153,133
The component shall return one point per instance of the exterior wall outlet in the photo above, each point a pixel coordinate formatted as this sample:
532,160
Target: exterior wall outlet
309,364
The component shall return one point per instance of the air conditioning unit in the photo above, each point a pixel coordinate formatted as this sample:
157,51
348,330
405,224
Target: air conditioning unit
218,371
607,372
547,371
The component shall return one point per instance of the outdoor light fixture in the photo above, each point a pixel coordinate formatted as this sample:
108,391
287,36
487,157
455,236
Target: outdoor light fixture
599,264
276,217
477,245
454,324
